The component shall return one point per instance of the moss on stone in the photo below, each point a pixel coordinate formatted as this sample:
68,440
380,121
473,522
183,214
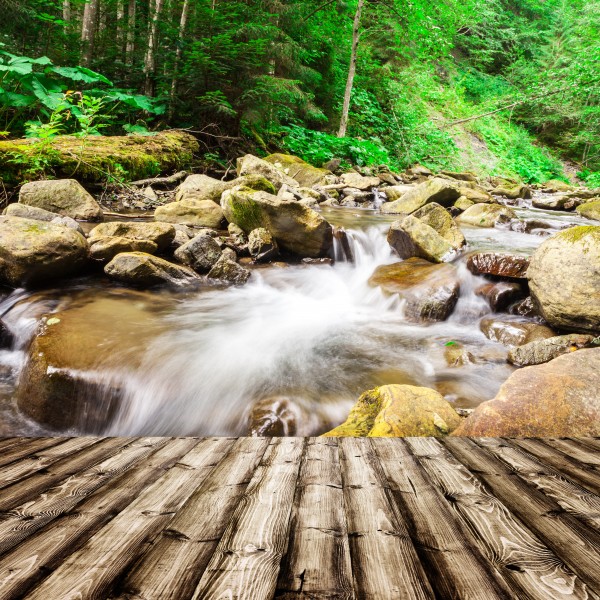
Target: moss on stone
576,234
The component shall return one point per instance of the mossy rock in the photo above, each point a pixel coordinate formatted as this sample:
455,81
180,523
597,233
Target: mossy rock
590,210
97,158
399,411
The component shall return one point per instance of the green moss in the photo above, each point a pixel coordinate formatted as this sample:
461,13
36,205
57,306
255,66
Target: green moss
576,234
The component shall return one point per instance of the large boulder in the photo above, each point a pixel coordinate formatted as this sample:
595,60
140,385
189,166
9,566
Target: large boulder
476,195
557,399
590,210
203,187
509,266
191,212
104,249
514,331
438,190
514,192
399,411
352,179
541,351
439,218
35,251
303,173
501,294
409,237
252,165
62,196
430,291
144,270
200,253
486,215
564,279
39,214
160,234
296,228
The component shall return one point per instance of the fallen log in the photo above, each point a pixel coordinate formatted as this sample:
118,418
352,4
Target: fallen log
97,159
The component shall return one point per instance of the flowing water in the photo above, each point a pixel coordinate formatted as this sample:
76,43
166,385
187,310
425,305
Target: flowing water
310,337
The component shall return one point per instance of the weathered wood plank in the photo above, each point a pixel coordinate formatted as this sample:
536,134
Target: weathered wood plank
16,471
173,566
385,564
247,560
35,484
575,450
317,564
26,519
562,546
92,570
7,443
26,448
572,497
40,554
454,564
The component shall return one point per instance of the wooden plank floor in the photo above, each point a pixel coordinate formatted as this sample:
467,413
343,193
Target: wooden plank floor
296,518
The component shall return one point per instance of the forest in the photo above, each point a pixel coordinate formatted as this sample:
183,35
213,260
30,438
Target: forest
498,87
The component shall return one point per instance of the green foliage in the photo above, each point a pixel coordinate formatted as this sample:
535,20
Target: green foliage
591,178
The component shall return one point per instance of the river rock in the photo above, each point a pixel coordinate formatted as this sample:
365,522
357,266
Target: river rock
552,202
555,185
500,295
39,214
409,237
145,270
465,176
395,192
590,210
106,248
261,245
525,308
200,253
439,218
36,251
556,399
355,180
6,336
541,351
190,212
564,279
226,269
296,228
438,190
252,165
430,290
203,187
160,234
498,265
399,411
513,192
62,196
463,203
514,331
302,172
486,215
476,195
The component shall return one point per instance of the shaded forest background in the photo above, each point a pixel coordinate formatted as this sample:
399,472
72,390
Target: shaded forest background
509,87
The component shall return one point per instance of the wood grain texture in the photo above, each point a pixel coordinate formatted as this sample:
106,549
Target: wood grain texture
91,571
43,552
26,447
247,560
384,561
455,566
317,563
566,546
174,564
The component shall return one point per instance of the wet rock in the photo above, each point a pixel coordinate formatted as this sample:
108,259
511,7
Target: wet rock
535,226
355,180
525,308
252,165
106,248
409,237
514,332
438,190
513,192
317,261
500,295
564,279
486,215
65,197
303,173
542,351
456,355
438,218
429,290
296,228
340,234
35,251
228,270
193,213
160,234
144,270
552,202
200,253
556,399
6,336
499,265
590,210
399,411
261,245
279,416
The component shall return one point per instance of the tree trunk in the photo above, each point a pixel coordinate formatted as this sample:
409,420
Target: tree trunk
66,16
150,57
130,46
88,30
120,28
351,69
185,10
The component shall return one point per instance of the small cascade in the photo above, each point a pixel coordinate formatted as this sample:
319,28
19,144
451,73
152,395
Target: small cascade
378,198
